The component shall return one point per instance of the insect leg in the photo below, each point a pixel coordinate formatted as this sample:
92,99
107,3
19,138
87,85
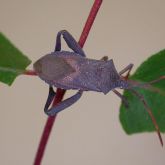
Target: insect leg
124,100
127,68
104,58
71,42
50,98
64,104
149,112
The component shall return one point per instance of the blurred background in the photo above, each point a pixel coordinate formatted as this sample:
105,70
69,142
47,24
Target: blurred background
89,132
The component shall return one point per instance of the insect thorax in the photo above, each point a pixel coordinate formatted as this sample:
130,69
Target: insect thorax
110,79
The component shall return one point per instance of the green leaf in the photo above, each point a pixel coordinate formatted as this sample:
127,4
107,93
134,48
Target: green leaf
12,61
135,118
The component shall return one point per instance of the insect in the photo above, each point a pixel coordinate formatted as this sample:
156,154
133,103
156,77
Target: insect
72,70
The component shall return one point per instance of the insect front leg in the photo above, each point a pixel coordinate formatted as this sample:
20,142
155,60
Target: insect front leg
124,100
71,42
64,104
127,68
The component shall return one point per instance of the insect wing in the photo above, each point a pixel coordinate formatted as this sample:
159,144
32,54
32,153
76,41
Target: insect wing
51,68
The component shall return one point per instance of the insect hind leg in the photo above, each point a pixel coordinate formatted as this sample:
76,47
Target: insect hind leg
64,104
71,42
50,98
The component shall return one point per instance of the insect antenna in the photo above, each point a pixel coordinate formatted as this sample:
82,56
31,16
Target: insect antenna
156,80
147,84
141,98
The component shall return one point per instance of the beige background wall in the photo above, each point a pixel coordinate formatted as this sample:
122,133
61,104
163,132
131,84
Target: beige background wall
89,132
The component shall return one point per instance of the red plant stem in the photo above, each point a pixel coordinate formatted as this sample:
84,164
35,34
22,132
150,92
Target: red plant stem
30,73
47,129
89,22
60,93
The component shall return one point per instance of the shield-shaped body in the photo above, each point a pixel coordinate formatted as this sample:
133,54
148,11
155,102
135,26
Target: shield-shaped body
68,70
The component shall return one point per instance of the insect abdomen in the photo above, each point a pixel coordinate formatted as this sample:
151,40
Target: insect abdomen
94,75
